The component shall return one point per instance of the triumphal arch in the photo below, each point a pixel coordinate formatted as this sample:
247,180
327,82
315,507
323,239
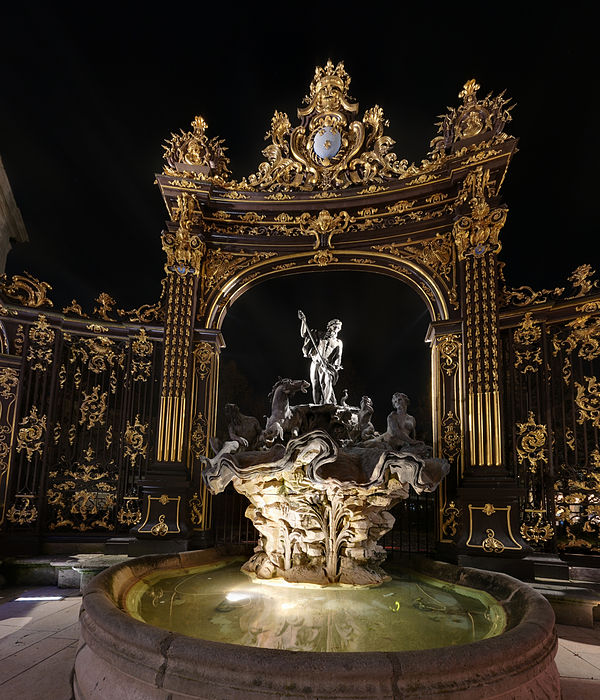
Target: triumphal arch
106,416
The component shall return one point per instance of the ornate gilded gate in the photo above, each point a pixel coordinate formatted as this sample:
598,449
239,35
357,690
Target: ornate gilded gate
514,394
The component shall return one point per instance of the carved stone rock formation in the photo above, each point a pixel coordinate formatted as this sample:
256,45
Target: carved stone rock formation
320,508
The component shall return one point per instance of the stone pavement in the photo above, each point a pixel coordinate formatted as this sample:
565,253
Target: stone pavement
38,643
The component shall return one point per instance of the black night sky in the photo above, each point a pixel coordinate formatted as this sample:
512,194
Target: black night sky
89,92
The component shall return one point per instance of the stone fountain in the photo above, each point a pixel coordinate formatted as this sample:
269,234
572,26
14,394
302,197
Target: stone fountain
320,481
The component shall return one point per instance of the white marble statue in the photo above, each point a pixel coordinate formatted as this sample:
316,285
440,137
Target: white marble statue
325,352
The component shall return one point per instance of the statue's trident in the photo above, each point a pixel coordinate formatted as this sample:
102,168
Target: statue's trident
327,365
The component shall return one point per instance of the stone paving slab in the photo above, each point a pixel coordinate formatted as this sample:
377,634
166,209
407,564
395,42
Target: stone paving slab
50,679
19,639
577,689
31,656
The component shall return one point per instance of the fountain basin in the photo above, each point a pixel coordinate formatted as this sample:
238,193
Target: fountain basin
122,657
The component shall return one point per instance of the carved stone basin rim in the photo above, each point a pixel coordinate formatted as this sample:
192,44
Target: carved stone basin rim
120,657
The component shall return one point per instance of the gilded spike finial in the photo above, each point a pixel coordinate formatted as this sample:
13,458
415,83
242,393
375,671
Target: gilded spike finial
193,154
469,91
475,119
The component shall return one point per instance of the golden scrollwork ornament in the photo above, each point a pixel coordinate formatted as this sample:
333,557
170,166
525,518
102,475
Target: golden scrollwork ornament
25,289
491,544
203,357
587,400
141,356
451,514
135,440
93,408
31,434
531,442
451,436
23,513
539,531
41,345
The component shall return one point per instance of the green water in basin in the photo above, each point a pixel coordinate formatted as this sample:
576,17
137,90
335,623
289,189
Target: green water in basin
219,603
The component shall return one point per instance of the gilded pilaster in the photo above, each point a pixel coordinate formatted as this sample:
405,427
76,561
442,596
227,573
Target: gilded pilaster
184,251
165,490
476,235
203,422
448,415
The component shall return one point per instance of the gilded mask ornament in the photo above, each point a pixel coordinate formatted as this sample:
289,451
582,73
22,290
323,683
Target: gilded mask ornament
478,232
330,148
184,249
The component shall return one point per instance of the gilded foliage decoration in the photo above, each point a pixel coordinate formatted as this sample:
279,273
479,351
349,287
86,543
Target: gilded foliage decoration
141,356
450,519
323,258
195,506
438,255
524,295
582,280
528,357
198,435
577,503
193,154
25,289
449,353
41,345
184,248
135,440
203,357
584,337
23,511
105,305
324,226
93,408
538,531
451,437
19,340
491,544
475,117
81,495
478,232
587,399
129,514
532,441
219,266
74,309
9,380
99,353
330,148
31,434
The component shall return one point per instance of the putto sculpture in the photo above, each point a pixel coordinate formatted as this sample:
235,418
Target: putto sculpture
319,478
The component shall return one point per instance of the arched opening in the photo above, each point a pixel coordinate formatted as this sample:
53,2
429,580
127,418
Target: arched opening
385,324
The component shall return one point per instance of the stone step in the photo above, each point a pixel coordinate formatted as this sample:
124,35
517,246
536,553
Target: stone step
572,604
65,572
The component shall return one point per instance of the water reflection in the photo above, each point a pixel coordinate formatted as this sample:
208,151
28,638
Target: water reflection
406,613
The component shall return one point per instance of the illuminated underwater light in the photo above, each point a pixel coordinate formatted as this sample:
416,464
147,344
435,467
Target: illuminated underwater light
234,597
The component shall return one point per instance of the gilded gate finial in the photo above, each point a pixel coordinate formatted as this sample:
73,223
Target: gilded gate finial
193,154
485,118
